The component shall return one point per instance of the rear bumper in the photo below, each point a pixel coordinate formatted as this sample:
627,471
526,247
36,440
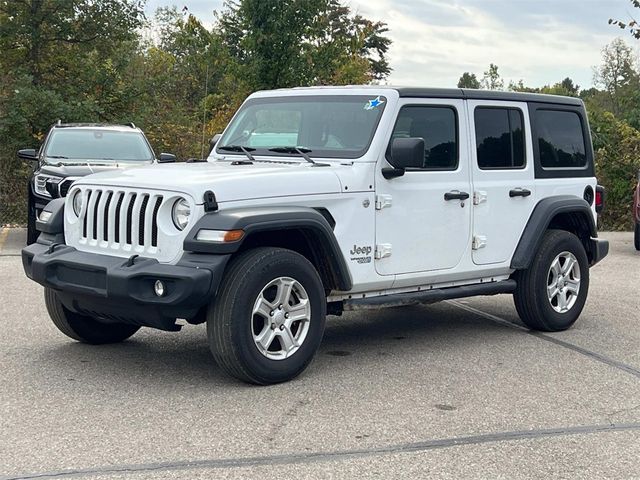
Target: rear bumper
109,288
599,249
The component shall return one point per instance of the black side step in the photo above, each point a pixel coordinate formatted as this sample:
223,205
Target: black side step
429,296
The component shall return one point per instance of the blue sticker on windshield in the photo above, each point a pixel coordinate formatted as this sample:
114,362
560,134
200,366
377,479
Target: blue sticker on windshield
374,103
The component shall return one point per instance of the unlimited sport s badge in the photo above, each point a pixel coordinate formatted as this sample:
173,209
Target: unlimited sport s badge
361,254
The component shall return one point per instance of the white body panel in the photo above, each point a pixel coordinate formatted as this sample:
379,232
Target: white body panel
430,240
426,232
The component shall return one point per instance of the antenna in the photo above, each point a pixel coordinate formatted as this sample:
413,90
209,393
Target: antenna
204,109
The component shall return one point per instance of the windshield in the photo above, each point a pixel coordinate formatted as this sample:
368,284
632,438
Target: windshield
86,145
340,126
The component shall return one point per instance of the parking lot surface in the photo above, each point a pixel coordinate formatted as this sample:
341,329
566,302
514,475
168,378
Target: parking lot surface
454,390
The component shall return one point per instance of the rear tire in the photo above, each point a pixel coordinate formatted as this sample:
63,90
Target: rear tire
551,293
636,236
84,328
268,319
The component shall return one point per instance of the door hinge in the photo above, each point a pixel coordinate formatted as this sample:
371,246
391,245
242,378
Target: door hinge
479,197
383,201
479,241
383,250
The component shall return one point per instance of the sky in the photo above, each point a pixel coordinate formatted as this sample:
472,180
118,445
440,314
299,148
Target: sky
435,41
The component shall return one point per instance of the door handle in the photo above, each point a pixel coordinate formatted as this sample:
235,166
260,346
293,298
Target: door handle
456,195
519,192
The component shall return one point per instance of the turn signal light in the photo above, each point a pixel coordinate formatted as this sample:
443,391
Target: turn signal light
219,236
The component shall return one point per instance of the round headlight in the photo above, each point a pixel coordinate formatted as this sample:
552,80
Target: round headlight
77,202
180,213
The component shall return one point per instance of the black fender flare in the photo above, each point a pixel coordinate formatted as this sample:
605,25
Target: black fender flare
277,218
539,221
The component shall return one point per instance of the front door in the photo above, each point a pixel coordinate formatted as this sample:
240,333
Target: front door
423,220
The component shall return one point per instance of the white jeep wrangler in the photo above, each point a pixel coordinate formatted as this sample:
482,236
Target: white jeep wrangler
319,200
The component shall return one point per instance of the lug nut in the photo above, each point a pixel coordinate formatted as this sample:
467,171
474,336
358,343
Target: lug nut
273,326
286,315
281,327
271,313
279,307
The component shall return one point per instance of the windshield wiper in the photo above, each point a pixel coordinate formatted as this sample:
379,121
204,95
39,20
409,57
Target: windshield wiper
239,148
57,156
302,151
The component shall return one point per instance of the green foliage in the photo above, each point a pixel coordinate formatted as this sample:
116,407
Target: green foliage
469,80
491,79
617,149
302,42
566,88
103,61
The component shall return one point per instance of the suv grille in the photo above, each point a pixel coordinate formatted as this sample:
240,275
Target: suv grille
121,218
64,186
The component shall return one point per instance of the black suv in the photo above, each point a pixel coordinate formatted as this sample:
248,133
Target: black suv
73,150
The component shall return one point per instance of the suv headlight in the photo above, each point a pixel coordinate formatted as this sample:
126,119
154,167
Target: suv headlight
40,184
180,213
77,202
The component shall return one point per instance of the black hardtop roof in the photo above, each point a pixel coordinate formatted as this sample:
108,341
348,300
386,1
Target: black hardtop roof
466,93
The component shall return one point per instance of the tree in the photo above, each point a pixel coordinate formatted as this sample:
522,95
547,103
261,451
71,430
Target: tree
632,25
491,79
618,77
469,80
303,42
60,59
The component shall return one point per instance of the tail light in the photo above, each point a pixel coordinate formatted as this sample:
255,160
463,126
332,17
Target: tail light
599,198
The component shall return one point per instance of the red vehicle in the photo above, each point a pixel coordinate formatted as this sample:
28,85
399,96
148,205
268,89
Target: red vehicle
636,213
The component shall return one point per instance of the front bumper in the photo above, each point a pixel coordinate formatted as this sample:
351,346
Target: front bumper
599,249
115,289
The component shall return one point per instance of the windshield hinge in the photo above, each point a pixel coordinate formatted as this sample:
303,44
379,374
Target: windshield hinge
210,203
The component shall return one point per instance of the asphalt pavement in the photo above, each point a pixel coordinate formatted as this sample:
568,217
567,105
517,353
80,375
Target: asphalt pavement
458,389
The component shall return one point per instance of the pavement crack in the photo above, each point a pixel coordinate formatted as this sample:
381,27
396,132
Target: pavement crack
337,455
548,338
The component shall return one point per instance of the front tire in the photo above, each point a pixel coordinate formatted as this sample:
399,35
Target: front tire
268,319
32,232
636,236
83,328
551,293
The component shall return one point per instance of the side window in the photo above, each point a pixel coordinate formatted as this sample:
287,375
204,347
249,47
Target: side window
499,138
560,139
439,129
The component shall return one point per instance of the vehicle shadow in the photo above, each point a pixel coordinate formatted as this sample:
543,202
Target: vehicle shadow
183,359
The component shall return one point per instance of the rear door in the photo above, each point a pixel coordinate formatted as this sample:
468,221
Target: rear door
503,177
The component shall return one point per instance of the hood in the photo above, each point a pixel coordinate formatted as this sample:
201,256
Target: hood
80,170
228,182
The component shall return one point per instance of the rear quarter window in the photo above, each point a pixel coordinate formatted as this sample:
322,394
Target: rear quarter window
560,137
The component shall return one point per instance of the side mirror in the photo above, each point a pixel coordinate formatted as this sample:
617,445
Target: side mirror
405,153
28,154
214,140
167,158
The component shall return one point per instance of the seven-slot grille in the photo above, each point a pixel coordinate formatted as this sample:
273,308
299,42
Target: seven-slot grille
121,218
